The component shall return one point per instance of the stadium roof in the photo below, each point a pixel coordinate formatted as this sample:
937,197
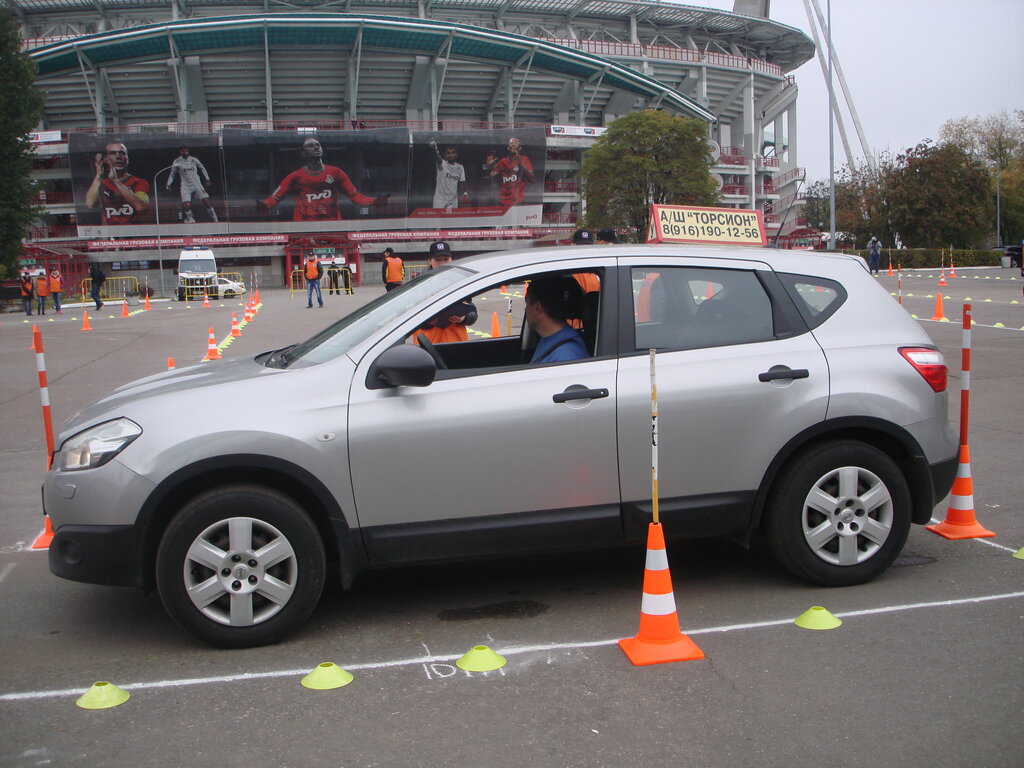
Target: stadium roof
784,45
411,36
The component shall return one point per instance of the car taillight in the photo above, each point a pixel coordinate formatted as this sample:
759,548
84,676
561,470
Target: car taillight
929,363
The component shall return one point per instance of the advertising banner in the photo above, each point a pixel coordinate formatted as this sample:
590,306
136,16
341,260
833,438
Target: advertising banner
280,182
691,224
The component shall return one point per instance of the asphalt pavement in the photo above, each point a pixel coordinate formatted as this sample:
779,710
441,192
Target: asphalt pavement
927,668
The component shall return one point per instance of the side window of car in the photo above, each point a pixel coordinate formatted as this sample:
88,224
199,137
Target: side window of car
693,307
816,298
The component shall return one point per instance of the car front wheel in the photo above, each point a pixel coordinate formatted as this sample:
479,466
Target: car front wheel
229,294
240,566
840,513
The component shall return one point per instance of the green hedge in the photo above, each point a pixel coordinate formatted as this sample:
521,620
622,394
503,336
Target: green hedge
933,257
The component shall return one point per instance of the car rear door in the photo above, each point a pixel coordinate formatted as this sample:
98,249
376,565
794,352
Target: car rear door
736,379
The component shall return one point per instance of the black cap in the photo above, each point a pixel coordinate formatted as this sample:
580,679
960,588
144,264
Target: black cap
439,248
582,237
388,251
607,235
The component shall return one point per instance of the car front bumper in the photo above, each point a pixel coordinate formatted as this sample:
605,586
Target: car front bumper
97,554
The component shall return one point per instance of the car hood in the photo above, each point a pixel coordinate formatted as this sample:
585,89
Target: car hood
192,379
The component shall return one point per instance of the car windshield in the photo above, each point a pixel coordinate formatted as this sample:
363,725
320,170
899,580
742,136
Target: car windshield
382,312
198,265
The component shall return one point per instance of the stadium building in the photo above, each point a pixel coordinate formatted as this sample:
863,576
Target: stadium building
412,107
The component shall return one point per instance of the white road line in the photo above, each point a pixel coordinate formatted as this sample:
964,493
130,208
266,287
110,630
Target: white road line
7,569
511,651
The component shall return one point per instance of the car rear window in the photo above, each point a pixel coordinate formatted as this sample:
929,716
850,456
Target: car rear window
816,298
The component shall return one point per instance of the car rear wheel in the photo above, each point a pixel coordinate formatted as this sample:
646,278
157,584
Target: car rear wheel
840,513
240,566
229,294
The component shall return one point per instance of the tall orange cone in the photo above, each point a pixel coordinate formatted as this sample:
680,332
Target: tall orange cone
85,321
890,273
235,332
147,307
212,353
960,522
659,639
938,308
206,299
952,269
124,309
495,325
43,540
942,277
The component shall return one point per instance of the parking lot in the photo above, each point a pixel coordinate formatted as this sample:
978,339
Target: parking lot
927,668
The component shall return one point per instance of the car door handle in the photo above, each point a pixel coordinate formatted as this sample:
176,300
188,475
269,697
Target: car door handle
580,394
783,372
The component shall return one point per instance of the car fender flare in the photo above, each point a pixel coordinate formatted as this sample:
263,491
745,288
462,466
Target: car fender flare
339,538
891,438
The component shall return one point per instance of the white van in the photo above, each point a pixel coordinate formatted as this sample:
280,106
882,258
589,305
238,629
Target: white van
197,274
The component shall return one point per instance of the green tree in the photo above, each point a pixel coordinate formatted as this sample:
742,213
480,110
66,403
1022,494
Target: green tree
998,141
645,158
939,195
21,106
862,209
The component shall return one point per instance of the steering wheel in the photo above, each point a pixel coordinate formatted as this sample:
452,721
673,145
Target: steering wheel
428,345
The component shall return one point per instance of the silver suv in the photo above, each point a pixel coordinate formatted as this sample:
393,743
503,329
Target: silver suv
797,403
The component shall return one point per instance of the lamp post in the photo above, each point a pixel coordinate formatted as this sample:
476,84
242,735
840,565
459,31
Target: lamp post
159,241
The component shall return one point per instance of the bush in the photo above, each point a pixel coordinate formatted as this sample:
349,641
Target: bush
913,258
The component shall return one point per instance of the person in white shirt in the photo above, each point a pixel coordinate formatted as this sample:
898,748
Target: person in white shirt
193,181
451,190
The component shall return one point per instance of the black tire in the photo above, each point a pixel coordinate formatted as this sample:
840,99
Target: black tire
857,523
229,294
211,551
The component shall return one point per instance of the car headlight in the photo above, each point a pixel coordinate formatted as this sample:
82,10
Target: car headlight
97,445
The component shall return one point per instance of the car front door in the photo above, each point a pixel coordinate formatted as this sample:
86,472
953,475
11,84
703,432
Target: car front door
485,461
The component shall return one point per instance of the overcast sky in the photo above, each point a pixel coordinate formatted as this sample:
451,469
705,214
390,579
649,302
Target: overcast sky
910,65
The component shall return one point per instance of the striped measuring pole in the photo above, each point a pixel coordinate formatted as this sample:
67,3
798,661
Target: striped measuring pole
44,392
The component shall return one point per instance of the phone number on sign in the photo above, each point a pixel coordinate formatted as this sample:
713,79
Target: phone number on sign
710,230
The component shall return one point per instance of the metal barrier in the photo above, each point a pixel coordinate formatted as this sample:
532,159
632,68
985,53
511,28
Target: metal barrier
113,288
297,281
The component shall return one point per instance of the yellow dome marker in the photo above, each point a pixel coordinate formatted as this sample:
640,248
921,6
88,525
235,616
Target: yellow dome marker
326,677
480,658
103,695
817,617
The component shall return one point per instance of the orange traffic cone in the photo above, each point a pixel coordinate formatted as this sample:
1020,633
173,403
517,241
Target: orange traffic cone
206,299
44,539
234,326
659,639
212,353
124,309
170,363
147,301
85,321
938,308
942,278
495,325
503,290
960,522
890,273
952,269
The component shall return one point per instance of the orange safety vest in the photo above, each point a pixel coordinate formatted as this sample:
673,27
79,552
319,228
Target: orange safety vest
312,270
42,286
56,284
442,335
396,269
26,288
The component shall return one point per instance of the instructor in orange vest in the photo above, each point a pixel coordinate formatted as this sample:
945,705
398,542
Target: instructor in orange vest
313,271
392,270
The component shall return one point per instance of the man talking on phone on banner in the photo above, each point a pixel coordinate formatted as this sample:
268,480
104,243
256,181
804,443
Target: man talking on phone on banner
120,196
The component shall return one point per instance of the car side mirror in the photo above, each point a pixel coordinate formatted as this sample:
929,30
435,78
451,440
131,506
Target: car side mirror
405,365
